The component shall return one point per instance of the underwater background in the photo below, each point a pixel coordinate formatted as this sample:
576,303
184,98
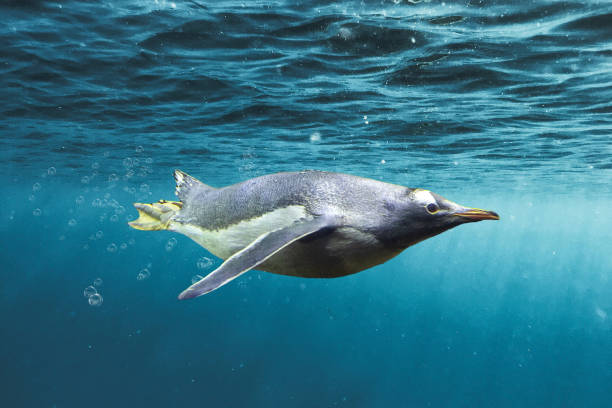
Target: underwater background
496,104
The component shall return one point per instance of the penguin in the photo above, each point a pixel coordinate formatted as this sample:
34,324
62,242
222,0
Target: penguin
311,224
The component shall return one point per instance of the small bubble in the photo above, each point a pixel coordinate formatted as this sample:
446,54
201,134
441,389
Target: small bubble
72,222
89,291
170,244
144,188
37,212
204,263
36,187
383,161
96,203
128,162
149,160
131,241
95,165
79,200
97,282
413,40
112,178
51,171
95,300
85,180
123,246
111,248
315,137
31,197
99,234
345,33
139,149
196,278
114,218
143,274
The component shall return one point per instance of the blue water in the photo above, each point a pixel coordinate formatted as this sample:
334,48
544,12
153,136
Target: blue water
496,104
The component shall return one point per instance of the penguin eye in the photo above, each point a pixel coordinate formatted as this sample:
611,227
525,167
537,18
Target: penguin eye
432,208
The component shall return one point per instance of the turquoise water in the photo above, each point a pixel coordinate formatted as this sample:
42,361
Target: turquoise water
490,104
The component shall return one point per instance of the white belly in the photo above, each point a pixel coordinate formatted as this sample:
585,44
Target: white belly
225,242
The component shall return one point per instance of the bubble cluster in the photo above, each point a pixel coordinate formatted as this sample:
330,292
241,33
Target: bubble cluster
94,298
204,263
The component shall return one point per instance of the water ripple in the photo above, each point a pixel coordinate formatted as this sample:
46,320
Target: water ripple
486,86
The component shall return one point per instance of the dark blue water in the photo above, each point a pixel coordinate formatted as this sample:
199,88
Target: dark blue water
496,104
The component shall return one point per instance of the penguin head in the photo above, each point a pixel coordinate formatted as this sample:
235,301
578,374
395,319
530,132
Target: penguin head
424,214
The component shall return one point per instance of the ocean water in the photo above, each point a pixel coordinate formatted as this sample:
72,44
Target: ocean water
496,104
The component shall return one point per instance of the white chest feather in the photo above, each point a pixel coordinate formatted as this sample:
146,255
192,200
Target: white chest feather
225,242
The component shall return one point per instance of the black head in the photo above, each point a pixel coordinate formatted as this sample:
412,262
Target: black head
423,214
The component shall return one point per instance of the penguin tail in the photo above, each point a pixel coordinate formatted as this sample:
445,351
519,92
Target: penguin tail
187,186
155,216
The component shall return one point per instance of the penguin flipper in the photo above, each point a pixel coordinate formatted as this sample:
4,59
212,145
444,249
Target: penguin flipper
254,254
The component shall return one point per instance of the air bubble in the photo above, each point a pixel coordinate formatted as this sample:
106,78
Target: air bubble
315,137
89,291
36,187
96,203
79,200
139,149
51,171
128,162
143,274
196,278
97,282
170,244
113,178
37,212
123,246
95,300
111,248
204,263
95,165
99,234
85,180
114,218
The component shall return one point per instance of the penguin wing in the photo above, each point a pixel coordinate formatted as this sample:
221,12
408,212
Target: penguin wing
256,253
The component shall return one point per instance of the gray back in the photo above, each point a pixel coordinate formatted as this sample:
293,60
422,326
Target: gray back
360,201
